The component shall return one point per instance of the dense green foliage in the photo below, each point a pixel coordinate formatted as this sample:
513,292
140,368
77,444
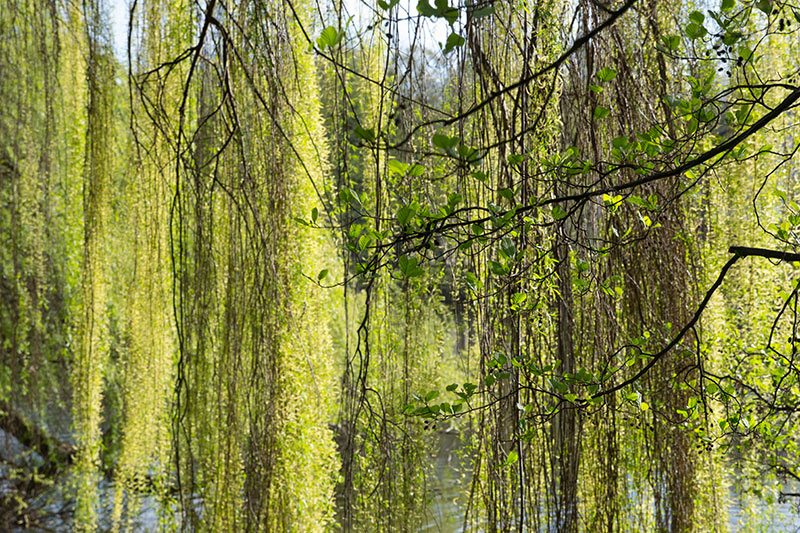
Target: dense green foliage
255,265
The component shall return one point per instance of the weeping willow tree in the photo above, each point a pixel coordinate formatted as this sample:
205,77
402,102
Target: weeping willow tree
399,337
601,254
41,160
34,285
253,270
92,354
254,376
146,368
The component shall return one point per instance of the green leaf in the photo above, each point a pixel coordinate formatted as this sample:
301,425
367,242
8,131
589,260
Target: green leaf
431,395
443,10
425,9
635,200
732,37
479,175
396,167
606,74
454,199
727,5
698,17
620,142
671,42
508,248
601,112
765,6
329,37
409,266
314,214
484,11
416,170
446,143
366,134
404,214
468,153
473,282
515,159
511,458
508,194
441,141
322,274
497,268
558,213
454,41
695,31
489,380
560,386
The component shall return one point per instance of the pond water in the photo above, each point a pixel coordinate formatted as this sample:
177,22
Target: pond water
452,477
448,487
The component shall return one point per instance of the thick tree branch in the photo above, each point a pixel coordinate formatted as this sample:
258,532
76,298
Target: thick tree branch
744,251
442,224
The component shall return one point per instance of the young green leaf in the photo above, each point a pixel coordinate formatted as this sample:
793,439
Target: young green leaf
695,31
454,41
329,37
512,458
601,112
697,17
558,213
606,74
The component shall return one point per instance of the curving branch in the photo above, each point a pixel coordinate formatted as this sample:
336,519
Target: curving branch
738,253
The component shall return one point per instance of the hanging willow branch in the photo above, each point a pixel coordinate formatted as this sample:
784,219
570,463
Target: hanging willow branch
738,252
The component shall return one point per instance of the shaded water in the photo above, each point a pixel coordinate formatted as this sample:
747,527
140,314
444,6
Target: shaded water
450,485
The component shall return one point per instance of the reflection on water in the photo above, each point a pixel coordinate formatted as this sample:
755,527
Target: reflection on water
749,513
449,486
452,474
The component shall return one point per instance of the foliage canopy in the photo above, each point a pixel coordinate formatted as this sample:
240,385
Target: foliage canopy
256,264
